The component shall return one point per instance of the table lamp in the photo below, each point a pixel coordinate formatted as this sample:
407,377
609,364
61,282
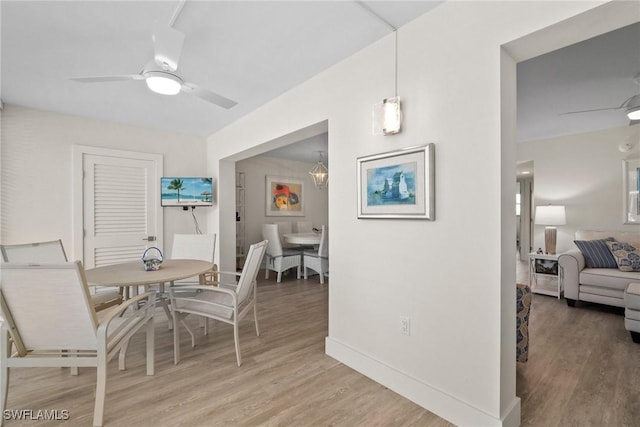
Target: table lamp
550,216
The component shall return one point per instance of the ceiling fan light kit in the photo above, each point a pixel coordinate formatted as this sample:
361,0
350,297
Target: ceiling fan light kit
163,82
634,113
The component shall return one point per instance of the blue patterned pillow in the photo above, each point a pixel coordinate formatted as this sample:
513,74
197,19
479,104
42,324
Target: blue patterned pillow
626,255
596,253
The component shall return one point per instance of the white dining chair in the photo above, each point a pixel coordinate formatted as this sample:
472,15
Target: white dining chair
53,252
228,302
285,227
277,258
318,261
192,246
195,246
46,310
304,227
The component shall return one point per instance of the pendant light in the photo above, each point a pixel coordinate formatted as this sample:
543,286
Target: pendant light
319,173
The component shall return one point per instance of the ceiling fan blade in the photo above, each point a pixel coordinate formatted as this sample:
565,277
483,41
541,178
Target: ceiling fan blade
167,46
589,111
207,95
96,79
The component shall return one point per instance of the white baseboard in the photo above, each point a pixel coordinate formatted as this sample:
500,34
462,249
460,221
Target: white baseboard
436,401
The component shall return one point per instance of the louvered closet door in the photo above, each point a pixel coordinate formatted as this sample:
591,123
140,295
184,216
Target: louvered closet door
120,209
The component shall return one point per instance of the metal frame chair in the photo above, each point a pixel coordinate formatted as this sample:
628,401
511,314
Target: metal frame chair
47,310
53,252
228,302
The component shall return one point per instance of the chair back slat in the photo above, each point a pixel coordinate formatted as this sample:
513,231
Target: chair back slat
38,252
270,233
194,246
50,305
323,250
250,270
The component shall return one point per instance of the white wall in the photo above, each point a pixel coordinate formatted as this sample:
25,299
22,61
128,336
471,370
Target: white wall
37,171
583,172
454,277
256,169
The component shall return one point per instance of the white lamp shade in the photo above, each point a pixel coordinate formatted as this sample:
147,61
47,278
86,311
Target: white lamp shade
550,215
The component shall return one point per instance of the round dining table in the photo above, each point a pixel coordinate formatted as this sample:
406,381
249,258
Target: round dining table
134,274
302,238
130,275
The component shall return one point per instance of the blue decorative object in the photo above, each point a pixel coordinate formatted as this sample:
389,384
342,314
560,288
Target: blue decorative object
523,301
152,258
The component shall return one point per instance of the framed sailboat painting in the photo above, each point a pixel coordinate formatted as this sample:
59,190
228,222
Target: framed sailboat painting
397,184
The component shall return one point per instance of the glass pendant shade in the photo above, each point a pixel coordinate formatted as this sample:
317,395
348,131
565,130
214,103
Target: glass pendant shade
391,112
387,116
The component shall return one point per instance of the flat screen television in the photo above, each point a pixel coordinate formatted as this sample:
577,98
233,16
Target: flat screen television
186,191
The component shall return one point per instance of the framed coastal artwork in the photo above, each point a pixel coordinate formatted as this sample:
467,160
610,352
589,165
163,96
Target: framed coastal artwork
630,188
284,196
397,184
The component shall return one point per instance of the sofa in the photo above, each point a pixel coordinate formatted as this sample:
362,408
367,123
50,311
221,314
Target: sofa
596,278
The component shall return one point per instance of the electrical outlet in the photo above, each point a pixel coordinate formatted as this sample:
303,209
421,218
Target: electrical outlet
405,325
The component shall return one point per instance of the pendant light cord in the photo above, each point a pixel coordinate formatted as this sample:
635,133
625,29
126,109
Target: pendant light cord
395,64
395,50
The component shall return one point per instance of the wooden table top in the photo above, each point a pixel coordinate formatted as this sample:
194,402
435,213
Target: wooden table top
133,273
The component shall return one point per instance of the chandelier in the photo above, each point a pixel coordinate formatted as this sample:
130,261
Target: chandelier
319,173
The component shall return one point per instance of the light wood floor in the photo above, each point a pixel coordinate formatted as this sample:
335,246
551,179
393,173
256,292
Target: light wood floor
582,371
583,368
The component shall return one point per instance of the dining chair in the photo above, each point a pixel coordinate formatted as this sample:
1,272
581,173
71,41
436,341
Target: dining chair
318,261
53,252
229,302
285,227
196,246
46,310
277,258
304,227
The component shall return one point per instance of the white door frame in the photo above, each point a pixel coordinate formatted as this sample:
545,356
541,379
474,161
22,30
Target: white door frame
77,214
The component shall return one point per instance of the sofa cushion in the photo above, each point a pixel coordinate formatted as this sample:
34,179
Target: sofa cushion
608,278
627,256
596,253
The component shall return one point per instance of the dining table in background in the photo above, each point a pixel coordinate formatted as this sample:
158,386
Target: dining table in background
302,238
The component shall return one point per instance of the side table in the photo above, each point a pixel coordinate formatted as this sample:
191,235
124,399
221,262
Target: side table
545,266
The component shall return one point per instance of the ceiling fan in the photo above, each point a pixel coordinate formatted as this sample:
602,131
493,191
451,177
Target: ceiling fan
160,72
631,106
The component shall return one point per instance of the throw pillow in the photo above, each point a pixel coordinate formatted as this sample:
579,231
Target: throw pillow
596,253
627,256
